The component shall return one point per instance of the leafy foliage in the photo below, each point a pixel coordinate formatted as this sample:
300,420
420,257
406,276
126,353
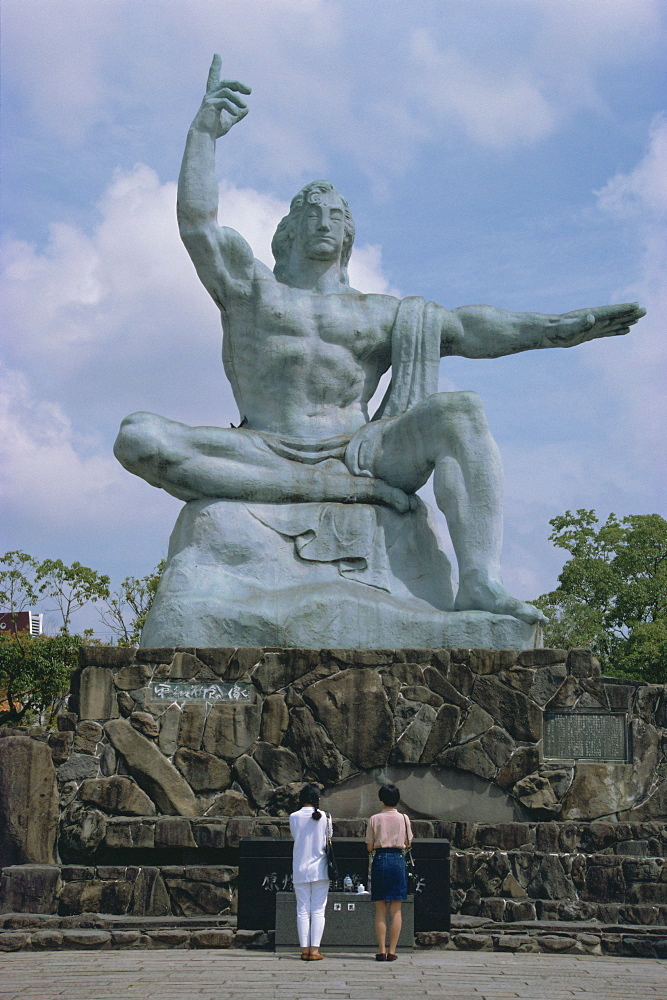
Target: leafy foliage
125,610
34,675
612,593
70,587
18,584
35,670
24,582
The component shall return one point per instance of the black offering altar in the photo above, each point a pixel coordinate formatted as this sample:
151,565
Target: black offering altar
265,868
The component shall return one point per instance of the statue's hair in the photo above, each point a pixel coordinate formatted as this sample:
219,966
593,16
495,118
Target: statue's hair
282,241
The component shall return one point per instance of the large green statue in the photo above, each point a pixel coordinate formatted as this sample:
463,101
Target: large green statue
304,353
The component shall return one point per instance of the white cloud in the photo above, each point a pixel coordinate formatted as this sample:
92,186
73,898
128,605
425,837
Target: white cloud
49,471
642,193
637,375
499,110
52,53
66,301
79,66
538,76
578,40
597,30
366,271
63,495
330,80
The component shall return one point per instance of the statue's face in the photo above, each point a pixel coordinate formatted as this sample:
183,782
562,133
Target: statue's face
321,229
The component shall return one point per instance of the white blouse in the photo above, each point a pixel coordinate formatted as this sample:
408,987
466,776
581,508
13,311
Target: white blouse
309,859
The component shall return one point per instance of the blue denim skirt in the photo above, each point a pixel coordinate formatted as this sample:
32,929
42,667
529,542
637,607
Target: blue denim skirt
389,876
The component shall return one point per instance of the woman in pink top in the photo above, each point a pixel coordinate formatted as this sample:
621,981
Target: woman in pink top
387,835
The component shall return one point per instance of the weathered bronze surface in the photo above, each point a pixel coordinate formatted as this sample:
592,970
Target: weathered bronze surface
586,736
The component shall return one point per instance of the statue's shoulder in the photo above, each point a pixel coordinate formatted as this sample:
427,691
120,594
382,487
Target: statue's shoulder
380,304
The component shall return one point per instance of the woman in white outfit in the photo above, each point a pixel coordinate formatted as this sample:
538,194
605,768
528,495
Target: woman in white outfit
309,871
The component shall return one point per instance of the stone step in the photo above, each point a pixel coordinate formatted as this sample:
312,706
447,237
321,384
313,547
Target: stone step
35,932
95,932
527,885
503,911
490,883
550,937
131,833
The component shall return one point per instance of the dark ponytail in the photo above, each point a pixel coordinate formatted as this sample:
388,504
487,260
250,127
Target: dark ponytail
310,796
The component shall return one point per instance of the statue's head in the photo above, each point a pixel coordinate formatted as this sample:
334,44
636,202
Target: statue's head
286,233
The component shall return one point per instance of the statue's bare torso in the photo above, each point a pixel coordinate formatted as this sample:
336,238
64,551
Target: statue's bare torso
301,363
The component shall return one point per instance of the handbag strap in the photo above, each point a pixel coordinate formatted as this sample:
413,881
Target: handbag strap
407,851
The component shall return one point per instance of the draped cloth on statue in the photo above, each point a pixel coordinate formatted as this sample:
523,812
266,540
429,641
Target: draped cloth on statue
345,534
415,356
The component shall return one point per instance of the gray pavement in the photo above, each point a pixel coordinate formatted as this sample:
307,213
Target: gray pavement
244,975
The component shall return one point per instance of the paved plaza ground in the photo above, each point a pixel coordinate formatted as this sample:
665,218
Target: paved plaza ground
244,975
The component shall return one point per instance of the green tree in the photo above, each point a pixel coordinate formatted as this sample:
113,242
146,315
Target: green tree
35,670
70,587
18,587
612,592
34,676
124,611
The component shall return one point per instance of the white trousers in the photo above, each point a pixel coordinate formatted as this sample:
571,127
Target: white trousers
311,900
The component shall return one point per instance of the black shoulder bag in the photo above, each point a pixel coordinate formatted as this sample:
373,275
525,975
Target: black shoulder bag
332,865
409,860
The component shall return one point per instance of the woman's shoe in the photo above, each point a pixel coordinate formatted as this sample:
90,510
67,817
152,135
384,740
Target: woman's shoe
390,957
305,955
317,957
381,957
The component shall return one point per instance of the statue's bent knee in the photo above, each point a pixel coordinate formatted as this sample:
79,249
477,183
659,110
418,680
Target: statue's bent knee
467,401
446,406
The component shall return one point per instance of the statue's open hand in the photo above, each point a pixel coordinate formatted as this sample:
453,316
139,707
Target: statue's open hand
588,324
222,107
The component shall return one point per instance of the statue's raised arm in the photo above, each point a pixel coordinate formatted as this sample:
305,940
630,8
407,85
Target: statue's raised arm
220,255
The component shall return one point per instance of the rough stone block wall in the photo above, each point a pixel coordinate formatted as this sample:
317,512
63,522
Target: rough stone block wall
123,809
136,890
336,715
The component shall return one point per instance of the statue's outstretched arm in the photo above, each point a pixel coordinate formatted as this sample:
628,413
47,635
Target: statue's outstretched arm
217,253
485,332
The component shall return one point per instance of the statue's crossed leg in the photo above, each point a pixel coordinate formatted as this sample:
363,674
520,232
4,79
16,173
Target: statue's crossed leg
385,462
196,463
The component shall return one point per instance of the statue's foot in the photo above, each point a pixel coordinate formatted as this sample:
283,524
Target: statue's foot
478,593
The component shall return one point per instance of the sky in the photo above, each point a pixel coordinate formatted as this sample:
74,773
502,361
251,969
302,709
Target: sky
509,152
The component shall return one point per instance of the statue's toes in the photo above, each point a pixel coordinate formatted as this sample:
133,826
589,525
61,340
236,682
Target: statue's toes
532,615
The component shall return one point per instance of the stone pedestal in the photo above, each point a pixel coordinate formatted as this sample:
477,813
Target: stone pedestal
204,746
315,575
225,732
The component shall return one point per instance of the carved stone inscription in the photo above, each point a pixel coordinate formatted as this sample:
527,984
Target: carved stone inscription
586,736
181,691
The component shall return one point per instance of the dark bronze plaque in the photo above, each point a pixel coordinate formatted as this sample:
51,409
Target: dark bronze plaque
586,736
